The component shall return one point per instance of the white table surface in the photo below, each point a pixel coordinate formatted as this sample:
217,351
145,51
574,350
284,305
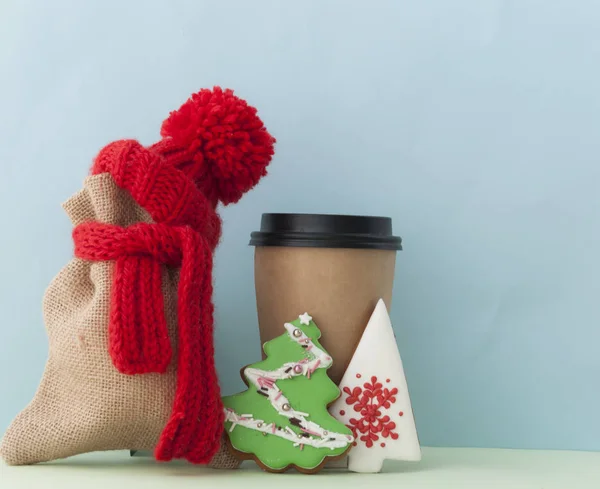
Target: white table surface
446,468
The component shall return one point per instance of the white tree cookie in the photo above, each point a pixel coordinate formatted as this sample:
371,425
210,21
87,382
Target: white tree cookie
375,403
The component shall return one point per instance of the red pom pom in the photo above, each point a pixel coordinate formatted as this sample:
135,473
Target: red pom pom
225,144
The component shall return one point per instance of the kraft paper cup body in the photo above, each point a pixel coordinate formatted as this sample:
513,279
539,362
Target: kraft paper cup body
325,269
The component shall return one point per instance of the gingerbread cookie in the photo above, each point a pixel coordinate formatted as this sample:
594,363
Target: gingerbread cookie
282,420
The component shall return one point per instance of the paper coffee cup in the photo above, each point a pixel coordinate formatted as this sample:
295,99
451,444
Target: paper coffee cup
335,267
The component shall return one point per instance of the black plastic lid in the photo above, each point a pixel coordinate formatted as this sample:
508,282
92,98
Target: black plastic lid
326,231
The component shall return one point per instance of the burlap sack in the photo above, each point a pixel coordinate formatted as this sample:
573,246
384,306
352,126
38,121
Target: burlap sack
83,403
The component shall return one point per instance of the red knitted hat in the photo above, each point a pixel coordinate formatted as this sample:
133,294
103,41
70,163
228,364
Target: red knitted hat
219,141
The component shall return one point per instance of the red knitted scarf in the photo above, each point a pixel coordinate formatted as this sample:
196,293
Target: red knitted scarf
184,233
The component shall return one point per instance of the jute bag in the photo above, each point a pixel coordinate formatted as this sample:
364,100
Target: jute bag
83,403
130,318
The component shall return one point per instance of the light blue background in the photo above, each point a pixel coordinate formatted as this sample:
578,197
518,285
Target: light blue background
474,124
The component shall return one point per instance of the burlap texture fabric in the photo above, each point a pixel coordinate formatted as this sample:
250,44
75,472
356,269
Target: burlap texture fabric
84,403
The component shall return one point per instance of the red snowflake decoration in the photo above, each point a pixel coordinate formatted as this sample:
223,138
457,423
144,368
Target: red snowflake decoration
369,400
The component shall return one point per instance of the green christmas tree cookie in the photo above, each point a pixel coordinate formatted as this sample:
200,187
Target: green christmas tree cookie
282,421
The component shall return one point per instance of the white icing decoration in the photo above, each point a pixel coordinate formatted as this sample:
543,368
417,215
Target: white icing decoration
305,319
265,382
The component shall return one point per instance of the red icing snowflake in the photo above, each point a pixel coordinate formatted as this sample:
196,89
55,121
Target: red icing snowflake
370,400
